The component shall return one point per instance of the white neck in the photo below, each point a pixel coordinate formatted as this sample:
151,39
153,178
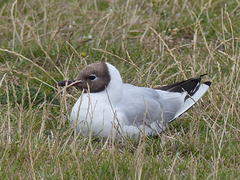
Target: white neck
115,87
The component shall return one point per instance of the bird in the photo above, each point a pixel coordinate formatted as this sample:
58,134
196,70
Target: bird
108,107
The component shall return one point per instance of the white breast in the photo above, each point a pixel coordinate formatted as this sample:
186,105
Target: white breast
92,113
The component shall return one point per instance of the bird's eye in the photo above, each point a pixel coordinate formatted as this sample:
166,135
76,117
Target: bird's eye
92,77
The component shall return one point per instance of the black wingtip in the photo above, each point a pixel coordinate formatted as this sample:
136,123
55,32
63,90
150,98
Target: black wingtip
187,85
203,75
208,83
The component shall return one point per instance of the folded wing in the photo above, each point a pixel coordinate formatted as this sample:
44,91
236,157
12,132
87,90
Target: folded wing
161,105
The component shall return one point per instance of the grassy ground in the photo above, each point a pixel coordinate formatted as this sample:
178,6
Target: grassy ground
151,43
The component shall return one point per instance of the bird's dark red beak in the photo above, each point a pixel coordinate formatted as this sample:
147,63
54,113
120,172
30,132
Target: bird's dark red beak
65,83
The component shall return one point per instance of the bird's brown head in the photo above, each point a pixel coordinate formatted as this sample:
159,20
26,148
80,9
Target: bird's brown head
94,77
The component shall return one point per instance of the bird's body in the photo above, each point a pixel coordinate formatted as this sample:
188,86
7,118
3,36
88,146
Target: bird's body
109,107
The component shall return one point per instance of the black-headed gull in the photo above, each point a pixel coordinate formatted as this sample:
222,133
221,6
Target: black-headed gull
108,106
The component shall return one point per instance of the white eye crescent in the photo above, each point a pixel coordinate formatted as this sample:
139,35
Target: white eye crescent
92,77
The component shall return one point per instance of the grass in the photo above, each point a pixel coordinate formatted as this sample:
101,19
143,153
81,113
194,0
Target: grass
151,43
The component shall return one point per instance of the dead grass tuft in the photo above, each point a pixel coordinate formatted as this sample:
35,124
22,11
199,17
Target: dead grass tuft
151,43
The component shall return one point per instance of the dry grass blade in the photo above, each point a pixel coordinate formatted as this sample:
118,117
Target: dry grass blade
151,43
17,54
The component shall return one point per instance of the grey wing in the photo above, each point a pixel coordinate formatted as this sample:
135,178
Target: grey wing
140,103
